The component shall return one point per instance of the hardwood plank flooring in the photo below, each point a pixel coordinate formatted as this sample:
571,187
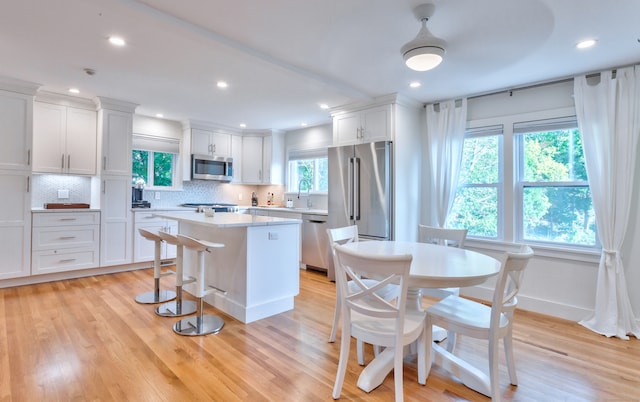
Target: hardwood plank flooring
88,340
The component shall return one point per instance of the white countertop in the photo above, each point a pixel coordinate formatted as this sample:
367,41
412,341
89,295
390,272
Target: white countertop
296,210
226,219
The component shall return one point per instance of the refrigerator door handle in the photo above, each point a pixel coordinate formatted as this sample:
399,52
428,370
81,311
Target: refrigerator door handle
350,188
356,189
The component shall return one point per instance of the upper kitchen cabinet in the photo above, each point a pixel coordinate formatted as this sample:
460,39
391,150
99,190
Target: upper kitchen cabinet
16,116
210,143
263,158
368,124
64,139
115,130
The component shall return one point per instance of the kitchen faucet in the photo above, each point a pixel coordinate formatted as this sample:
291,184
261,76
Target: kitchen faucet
308,189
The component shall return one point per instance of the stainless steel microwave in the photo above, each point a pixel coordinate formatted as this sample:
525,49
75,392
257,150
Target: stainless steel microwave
207,167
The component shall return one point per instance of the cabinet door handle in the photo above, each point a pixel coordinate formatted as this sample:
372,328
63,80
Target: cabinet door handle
28,184
68,260
28,157
62,162
69,161
104,163
67,237
214,148
67,219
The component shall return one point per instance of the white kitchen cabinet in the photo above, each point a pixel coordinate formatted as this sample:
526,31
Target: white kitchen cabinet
365,125
15,224
115,128
143,249
252,167
64,139
211,143
16,116
263,159
116,226
236,154
65,241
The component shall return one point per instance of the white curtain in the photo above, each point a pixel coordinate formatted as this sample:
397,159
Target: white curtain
445,139
609,122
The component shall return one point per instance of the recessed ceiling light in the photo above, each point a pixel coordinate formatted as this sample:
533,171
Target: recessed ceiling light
324,106
117,41
586,43
415,84
159,115
222,84
242,125
74,90
303,124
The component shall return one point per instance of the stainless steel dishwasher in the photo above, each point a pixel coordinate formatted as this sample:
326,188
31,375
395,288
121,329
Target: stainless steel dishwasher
314,241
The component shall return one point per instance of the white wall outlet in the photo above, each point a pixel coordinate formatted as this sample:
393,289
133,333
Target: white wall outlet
157,195
63,194
239,196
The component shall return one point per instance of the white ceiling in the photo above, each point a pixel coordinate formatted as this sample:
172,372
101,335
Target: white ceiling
282,58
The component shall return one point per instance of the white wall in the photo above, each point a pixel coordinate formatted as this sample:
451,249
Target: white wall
556,283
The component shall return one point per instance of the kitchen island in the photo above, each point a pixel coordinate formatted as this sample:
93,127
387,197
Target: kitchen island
258,269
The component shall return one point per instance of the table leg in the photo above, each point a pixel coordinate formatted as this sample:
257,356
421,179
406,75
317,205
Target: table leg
468,374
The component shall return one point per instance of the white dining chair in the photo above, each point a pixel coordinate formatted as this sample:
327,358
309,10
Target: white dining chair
343,235
469,318
368,317
443,237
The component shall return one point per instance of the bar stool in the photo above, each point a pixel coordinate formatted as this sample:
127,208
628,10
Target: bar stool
178,307
199,324
157,295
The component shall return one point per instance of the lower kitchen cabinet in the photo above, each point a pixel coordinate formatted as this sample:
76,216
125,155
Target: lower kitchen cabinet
65,241
143,249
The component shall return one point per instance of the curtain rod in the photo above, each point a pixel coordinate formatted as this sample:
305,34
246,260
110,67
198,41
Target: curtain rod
535,85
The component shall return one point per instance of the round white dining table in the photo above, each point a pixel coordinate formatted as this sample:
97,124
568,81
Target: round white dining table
433,266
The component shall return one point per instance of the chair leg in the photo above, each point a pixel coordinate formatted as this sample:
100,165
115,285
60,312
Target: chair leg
345,343
157,295
179,307
493,368
360,351
422,363
428,355
451,341
336,318
398,362
508,352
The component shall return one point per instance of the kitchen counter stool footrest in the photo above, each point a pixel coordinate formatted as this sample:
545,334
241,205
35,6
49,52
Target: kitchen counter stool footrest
157,295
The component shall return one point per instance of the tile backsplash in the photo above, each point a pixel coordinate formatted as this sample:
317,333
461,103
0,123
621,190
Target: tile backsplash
45,189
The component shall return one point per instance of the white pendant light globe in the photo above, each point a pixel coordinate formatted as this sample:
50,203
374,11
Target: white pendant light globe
425,51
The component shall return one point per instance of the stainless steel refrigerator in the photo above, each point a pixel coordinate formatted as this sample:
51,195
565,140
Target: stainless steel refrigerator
360,190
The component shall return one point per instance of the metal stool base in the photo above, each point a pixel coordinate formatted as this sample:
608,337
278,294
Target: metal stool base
154,297
171,309
199,325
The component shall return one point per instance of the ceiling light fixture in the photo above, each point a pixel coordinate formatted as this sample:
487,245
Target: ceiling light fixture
586,43
117,41
74,90
159,115
324,106
222,84
242,125
425,51
415,84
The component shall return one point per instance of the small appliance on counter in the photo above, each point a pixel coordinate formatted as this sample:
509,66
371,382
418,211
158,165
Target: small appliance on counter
136,198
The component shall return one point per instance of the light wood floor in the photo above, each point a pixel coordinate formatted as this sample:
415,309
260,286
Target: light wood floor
87,339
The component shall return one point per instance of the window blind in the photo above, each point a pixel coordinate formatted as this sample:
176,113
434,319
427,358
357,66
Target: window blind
156,144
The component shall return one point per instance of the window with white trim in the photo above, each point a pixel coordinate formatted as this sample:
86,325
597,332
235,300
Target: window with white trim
154,162
549,198
553,192
478,202
307,170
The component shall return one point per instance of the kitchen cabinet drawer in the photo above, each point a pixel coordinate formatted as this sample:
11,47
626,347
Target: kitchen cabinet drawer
51,237
49,261
65,218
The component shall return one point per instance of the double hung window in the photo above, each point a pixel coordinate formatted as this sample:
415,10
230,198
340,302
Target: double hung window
154,162
308,171
545,199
